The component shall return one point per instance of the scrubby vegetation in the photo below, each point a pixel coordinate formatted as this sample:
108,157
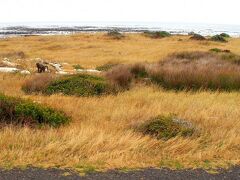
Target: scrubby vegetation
197,37
231,57
139,70
225,35
38,83
102,133
24,112
106,67
197,70
79,85
120,77
156,34
77,66
114,34
166,127
218,38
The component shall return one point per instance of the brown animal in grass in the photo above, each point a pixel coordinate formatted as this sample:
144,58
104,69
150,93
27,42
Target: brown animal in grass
41,68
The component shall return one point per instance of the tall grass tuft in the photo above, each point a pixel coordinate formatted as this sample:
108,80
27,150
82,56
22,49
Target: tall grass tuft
38,83
120,77
197,70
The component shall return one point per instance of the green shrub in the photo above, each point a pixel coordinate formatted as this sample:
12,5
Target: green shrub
106,67
218,38
77,66
217,50
166,127
197,37
156,34
225,35
24,112
114,34
79,85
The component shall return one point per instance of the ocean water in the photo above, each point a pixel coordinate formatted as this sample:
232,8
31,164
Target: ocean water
51,28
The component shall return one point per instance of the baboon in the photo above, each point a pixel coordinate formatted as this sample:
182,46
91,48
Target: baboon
41,68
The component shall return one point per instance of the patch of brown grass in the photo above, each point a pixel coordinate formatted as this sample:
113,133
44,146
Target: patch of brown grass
37,83
120,77
132,49
197,70
13,54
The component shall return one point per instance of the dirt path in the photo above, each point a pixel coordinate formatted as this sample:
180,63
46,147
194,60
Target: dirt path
147,174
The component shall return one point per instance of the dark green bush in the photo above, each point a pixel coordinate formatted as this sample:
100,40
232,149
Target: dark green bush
197,37
218,38
114,34
106,67
79,85
217,50
166,127
225,35
156,34
24,112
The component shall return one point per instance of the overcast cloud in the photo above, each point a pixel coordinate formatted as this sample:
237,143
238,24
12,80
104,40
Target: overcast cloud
197,11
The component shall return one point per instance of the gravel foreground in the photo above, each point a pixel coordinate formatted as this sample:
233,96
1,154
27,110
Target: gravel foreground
146,174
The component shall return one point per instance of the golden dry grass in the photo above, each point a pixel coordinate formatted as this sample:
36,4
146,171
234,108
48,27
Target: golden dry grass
91,50
102,130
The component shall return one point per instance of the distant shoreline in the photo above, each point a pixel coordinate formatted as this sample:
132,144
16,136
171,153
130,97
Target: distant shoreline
9,30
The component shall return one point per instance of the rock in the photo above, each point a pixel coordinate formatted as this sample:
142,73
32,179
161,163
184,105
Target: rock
88,70
9,69
25,72
57,66
62,72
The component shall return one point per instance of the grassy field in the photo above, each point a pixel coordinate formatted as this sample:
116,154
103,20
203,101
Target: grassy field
101,134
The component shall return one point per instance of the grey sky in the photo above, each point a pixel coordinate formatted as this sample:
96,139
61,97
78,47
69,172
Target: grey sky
197,11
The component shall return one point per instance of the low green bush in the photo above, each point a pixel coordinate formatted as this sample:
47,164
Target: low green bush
25,112
217,50
114,34
106,67
166,127
197,37
225,35
218,38
156,34
79,85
